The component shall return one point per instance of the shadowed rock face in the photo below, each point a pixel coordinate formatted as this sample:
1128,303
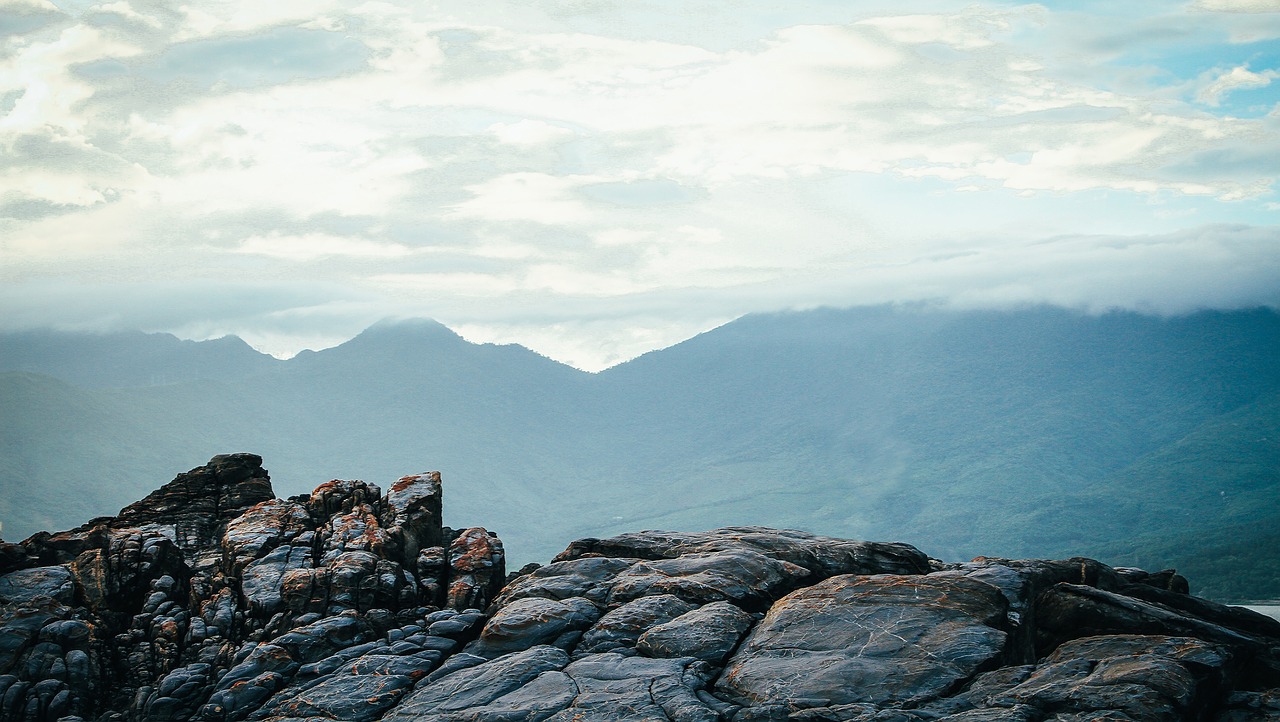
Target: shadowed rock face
211,599
194,507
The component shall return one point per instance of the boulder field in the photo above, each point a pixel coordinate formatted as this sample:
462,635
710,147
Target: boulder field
213,600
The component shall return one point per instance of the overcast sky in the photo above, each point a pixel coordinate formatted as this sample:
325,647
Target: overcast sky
598,178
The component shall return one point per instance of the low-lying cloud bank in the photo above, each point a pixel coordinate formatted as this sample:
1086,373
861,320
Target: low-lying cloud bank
1209,267
593,179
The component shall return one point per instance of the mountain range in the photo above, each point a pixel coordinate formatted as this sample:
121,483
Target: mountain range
1139,440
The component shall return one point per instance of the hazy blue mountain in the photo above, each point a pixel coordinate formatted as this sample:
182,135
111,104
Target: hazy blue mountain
1037,432
69,454
130,358
499,421
1227,473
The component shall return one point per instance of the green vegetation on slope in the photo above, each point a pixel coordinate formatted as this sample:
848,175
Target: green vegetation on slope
1208,505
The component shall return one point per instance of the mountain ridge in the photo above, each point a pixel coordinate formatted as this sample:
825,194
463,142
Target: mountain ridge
128,358
855,423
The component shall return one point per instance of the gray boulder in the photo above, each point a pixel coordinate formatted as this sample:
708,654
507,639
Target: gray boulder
56,583
709,633
493,690
534,621
620,628
1146,678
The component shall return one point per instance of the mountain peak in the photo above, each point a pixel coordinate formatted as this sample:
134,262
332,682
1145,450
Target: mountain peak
390,330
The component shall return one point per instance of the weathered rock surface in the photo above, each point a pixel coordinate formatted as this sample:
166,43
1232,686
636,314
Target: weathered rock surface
710,633
211,599
885,639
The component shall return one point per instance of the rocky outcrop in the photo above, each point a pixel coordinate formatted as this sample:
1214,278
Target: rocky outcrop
213,600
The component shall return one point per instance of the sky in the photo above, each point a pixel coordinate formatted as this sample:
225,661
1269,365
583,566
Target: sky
595,179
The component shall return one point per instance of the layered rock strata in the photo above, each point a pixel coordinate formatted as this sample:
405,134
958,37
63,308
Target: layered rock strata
211,599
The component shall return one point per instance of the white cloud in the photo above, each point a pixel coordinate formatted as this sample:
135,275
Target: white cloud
1212,266
537,197
243,16
199,307
1238,6
821,98
311,246
18,6
529,132
625,237
101,236
125,10
422,287
288,149
968,31
578,167
50,94
812,99
538,278
58,189
569,280
1238,78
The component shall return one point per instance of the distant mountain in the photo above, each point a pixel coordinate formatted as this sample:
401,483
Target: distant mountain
979,431
132,358
1035,432
1226,471
67,451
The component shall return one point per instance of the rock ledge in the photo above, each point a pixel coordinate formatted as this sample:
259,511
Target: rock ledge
211,599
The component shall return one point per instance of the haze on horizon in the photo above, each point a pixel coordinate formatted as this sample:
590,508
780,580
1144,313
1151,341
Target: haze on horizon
595,179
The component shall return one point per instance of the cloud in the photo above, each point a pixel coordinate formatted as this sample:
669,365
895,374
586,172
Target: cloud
126,12
318,245
866,98
642,192
48,95
537,197
79,305
969,31
1237,6
526,132
1238,78
353,119
595,169
44,165
425,286
21,6
23,16
243,17
273,57
1213,267
1207,267
592,321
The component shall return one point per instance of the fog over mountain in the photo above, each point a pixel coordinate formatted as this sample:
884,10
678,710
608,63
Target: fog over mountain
594,180
1138,439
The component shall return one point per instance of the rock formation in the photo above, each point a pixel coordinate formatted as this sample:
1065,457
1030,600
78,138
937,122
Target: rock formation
212,600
